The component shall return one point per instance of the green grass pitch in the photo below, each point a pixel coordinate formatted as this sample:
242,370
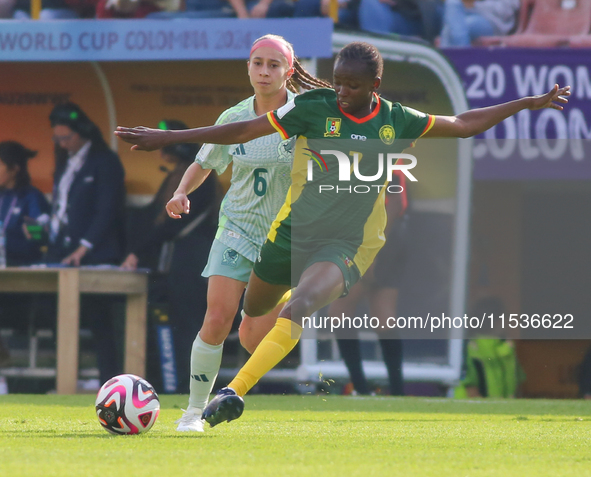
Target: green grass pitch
45,436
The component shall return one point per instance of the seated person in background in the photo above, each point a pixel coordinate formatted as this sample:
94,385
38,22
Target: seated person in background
55,9
192,9
182,248
226,9
420,18
491,365
262,8
466,20
134,8
19,201
86,225
347,10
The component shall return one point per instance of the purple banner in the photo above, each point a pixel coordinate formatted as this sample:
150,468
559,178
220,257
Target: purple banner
546,144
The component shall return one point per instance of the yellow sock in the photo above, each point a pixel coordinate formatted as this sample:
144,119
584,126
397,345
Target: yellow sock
274,347
286,296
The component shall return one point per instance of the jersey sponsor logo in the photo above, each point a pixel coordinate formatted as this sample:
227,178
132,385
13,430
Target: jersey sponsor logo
333,127
239,151
387,134
359,137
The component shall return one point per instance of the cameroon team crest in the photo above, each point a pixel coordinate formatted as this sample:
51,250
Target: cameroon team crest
387,134
333,126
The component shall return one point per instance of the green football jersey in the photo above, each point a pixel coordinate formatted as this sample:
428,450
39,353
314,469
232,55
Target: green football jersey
260,180
340,172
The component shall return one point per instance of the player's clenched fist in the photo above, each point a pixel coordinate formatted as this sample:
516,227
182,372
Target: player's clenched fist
179,204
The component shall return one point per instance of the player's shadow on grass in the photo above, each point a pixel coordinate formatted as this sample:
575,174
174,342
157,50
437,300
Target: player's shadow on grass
53,435
98,435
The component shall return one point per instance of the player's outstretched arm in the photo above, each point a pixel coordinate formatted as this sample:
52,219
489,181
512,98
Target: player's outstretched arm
193,177
148,139
477,121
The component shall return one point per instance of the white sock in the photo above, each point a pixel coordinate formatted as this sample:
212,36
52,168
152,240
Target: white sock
206,360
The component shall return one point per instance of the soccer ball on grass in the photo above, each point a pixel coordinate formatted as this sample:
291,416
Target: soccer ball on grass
127,404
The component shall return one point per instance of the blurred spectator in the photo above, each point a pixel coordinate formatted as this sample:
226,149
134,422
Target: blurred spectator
491,365
56,9
87,220
7,8
466,20
180,248
134,8
347,10
153,227
197,9
20,204
380,286
262,8
421,18
231,8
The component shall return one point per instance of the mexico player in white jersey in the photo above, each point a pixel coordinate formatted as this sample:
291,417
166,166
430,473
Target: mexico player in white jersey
260,180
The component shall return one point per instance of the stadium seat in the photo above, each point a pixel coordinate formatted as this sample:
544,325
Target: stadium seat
546,23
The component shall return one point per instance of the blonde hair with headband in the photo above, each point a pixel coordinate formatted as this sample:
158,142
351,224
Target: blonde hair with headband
300,78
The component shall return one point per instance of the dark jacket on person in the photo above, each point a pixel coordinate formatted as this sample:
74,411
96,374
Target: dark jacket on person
95,210
18,204
150,227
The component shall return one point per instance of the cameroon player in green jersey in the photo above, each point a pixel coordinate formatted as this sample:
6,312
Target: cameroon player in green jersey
259,184
327,271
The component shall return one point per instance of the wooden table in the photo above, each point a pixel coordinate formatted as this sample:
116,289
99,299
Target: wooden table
69,283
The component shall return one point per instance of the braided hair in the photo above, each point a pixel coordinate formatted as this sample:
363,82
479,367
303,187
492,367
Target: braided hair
304,79
361,51
300,78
